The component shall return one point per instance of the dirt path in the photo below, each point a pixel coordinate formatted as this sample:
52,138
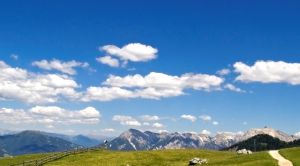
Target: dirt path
281,160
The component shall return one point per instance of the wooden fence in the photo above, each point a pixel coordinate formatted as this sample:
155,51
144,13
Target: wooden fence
52,157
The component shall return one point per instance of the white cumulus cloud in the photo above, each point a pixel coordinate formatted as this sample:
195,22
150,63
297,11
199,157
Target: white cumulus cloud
189,117
158,125
21,85
126,120
49,116
107,94
215,123
146,124
108,60
39,88
150,118
64,67
14,56
108,130
151,86
135,52
269,72
297,134
223,72
164,81
233,88
205,117
206,132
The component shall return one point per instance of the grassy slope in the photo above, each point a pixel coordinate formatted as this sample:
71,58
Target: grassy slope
21,158
292,154
165,157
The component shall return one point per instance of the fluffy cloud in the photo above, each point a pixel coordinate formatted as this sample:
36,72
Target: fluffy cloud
269,72
88,115
206,132
49,116
151,86
108,130
215,123
162,131
107,94
158,125
223,72
14,56
108,60
150,118
205,117
164,81
152,93
21,85
49,88
189,117
135,52
297,134
233,88
146,124
64,67
126,120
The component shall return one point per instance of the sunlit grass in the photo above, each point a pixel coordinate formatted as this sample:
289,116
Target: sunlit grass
292,154
161,157
164,157
21,158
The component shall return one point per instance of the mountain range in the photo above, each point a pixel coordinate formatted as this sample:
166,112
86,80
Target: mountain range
33,142
262,142
24,142
6,132
137,140
81,140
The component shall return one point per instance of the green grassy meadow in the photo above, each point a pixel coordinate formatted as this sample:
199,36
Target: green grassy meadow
153,158
163,157
21,158
292,154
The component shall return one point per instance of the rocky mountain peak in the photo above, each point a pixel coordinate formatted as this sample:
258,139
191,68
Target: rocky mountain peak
137,140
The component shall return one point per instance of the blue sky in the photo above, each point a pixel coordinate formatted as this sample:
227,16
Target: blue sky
257,42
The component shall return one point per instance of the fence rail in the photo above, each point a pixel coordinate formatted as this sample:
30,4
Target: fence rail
55,156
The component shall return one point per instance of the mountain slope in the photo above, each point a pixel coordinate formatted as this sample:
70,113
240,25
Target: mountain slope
263,142
225,139
77,139
33,142
84,141
131,140
259,143
2,152
7,132
137,140
267,131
